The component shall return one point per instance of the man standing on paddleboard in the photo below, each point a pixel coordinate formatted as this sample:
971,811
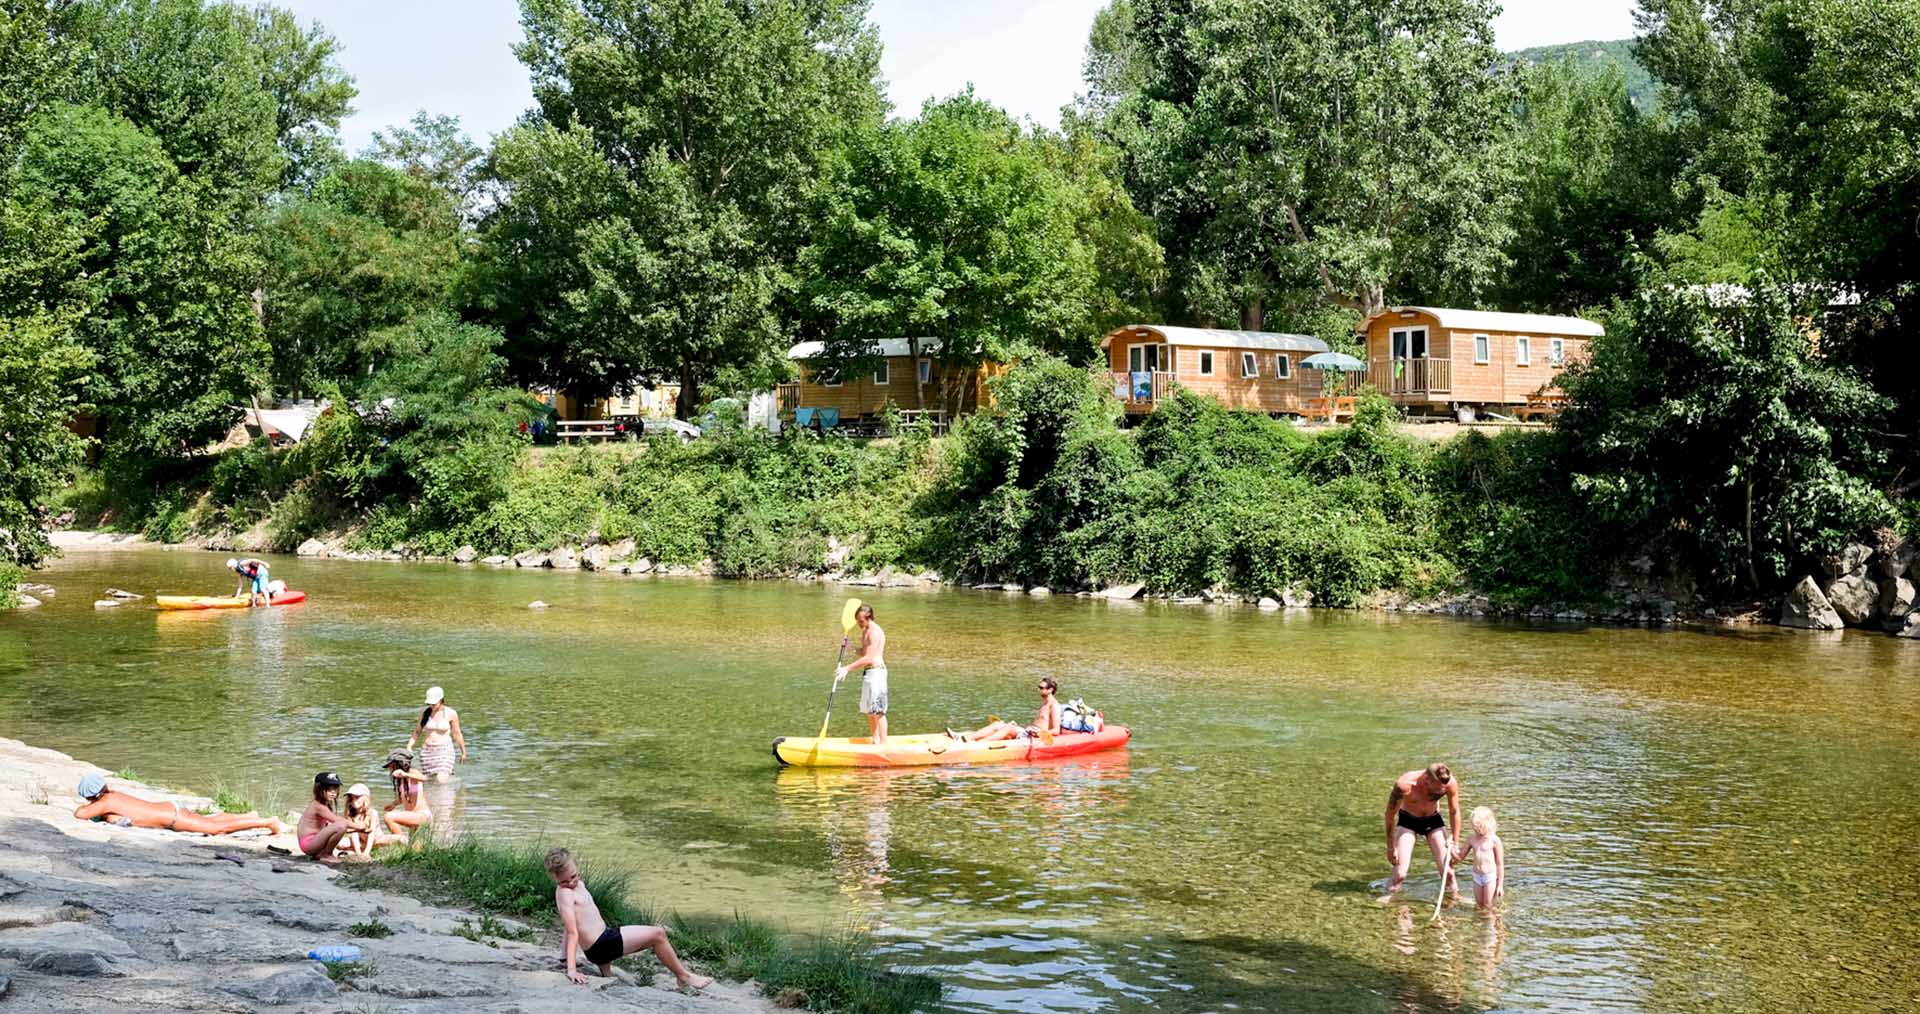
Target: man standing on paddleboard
1413,811
873,683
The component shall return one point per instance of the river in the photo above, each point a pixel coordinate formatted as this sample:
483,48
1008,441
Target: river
1694,820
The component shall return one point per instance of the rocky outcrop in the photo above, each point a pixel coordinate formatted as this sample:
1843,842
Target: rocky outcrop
596,557
1896,601
303,983
27,602
1124,592
640,566
311,548
465,554
1897,559
564,558
1850,560
496,561
1268,604
1855,597
1296,597
1912,626
1806,607
533,559
45,591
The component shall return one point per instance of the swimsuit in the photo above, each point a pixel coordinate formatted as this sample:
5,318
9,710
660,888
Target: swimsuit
607,948
1482,879
437,758
873,691
1421,826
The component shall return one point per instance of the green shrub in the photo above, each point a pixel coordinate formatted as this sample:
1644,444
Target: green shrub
9,585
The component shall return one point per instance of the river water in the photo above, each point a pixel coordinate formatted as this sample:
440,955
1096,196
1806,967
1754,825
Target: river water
1694,820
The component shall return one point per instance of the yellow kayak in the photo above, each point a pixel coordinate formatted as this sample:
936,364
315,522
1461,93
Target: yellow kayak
285,598
938,748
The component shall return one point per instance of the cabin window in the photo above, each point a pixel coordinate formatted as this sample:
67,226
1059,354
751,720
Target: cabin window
1206,363
1282,367
829,377
926,371
883,374
1161,357
1523,351
1558,352
1249,364
1482,349
1136,358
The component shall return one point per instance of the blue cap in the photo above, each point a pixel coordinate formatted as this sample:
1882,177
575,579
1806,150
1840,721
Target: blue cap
92,786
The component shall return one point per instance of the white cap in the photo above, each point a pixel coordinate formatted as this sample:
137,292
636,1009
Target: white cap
435,695
232,563
357,789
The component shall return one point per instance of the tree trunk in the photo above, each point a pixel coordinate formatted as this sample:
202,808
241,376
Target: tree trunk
688,403
1372,300
1253,315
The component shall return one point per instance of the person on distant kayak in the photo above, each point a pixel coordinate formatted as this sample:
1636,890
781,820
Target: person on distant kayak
1413,811
873,682
104,804
1046,723
253,580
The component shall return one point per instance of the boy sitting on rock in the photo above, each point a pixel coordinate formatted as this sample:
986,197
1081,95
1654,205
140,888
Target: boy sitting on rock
582,920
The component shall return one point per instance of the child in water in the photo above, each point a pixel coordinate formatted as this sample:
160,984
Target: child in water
583,922
1489,858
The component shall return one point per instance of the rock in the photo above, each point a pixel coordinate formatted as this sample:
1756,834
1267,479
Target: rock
5,984
1847,562
311,547
45,591
1039,591
106,603
623,550
27,602
596,557
299,984
704,568
1296,597
536,604
116,593
640,566
1896,601
1912,629
65,948
1897,559
565,558
1124,592
1855,598
1268,603
496,561
533,558
1807,608
465,554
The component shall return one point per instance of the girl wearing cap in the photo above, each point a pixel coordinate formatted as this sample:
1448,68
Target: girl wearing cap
441,727
320,828
363,831
408,809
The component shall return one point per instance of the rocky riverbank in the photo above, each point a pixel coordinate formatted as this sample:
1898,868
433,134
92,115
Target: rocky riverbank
96,917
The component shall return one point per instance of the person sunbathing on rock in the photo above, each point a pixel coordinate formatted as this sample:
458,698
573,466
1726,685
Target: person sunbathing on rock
105,804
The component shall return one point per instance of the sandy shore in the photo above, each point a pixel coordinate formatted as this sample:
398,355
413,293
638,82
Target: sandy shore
96,917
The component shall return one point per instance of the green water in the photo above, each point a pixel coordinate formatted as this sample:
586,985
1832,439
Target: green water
1694,821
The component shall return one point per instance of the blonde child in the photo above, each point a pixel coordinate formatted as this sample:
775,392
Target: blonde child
1489,858
580,917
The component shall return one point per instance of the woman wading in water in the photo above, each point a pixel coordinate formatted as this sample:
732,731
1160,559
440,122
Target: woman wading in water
441,727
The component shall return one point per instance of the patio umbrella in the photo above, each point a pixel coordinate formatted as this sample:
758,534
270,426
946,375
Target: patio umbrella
1336,361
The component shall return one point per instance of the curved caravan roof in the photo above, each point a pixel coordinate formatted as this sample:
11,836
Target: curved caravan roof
1216,338
1494,320
890,348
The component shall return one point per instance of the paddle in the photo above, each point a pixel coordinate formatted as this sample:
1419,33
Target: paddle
846,629
1446,874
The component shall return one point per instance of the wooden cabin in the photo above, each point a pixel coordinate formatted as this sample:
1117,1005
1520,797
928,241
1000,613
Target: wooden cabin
1252,371
657,402
1437,359
824,398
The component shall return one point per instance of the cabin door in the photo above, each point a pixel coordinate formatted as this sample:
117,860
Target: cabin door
1409,354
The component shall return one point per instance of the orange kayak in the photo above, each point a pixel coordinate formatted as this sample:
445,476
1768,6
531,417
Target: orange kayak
285,598
938,748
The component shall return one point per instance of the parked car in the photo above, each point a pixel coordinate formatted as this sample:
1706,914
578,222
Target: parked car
635,427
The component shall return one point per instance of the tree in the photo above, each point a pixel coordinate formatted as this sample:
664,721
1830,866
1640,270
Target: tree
371,247
435,151
1339,145
958,226
714,115
41,366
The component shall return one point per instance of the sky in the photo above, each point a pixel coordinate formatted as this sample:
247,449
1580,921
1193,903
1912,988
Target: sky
453,56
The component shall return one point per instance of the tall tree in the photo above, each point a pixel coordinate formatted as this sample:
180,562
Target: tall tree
715,115
1349,146
434,150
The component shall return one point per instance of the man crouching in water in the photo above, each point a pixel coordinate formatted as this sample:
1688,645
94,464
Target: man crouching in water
873,683
581,919
1413,810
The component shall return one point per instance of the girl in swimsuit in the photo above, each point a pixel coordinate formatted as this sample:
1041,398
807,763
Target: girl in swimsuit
408,809
320,828
441,727
1489,858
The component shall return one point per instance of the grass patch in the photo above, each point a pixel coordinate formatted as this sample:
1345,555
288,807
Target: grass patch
128,775
489,929
346,973
837,973
372,929
229,801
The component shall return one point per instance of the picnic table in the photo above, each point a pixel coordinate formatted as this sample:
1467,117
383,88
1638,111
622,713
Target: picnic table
1541,404
1331,408
935,417
586,429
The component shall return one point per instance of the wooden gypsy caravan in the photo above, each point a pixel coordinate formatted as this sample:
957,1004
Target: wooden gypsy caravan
1437,359
1252,371
825,399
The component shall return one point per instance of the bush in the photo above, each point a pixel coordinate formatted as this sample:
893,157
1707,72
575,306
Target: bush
9,585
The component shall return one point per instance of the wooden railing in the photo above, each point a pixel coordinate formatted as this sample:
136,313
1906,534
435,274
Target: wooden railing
1424,375
1146,395
788,396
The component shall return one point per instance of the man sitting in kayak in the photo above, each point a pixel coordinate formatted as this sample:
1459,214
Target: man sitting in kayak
104,804
1046,724
253,573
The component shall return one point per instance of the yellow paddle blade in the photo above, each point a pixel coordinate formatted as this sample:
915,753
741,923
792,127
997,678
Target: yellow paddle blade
846,614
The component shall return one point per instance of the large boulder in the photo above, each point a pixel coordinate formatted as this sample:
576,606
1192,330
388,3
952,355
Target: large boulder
565,558
1296,597
1123,592
465,554
533,558
65,948
311,547
1848,562
496,561
640,566
27,602
1897,559
1806,607
304,982
1856,598
1912,627
596,557
624,549
1896,601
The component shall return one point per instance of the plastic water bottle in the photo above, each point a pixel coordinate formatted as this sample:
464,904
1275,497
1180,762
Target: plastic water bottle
335,953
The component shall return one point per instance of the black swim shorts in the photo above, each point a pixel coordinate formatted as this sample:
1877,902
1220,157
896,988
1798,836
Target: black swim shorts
607,948
1421,826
